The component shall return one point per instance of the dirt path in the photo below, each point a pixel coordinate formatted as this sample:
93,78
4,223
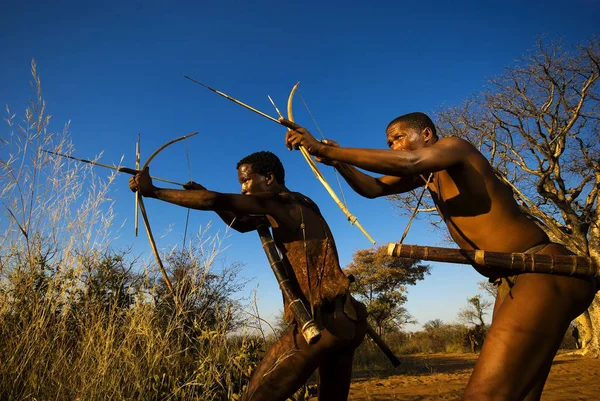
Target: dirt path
444,376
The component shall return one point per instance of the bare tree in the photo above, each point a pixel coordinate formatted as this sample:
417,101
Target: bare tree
488,288
539,125
475,311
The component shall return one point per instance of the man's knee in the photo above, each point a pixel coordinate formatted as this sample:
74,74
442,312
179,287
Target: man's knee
486,395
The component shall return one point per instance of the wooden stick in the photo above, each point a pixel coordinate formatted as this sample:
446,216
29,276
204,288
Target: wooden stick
119,169
382,345
570,265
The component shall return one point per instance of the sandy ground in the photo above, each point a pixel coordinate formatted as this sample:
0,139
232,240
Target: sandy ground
444,376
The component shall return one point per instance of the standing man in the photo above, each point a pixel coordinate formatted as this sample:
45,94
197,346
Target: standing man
308,251
532,311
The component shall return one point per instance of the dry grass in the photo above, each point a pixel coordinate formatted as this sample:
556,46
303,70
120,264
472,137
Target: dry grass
80,321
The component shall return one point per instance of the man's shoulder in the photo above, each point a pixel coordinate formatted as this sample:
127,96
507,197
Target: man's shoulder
298,197
460,147
455,141
264,198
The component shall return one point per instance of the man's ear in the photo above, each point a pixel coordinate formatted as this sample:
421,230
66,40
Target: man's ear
427,134
270,178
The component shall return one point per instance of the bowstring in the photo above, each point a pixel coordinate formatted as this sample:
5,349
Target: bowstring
303,227
187,218
337,176
416,209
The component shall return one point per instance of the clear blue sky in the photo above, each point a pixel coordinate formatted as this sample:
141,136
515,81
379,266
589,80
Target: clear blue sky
114,69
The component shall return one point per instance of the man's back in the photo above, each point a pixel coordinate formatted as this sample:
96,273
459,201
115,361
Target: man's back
307,246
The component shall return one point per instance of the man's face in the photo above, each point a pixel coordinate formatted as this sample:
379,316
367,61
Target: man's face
402,137
251,182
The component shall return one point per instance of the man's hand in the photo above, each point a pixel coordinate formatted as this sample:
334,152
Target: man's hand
191,185
298,136
142,183
324,160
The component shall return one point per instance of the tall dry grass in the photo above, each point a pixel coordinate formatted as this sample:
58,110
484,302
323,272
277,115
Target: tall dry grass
80,320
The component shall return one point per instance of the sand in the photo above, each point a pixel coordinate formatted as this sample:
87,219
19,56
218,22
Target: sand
444,376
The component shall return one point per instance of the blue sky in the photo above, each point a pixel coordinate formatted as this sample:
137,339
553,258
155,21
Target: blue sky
114,69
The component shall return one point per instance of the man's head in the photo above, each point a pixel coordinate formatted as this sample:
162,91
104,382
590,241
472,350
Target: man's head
410,132
261,172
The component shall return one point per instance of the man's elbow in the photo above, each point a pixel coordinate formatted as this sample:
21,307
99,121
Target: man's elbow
371,195
242,228
408,166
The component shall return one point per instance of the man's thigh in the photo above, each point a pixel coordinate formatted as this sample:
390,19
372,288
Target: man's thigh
286,366
290,362
335,375
526,331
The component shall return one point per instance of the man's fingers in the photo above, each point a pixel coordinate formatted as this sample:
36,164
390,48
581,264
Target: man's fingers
289,139
133,184
295,141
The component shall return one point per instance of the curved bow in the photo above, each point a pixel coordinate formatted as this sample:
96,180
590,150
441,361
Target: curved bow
305,153
351,218
147,224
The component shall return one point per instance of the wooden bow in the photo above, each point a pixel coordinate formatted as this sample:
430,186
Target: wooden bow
305,153
351,218
149,231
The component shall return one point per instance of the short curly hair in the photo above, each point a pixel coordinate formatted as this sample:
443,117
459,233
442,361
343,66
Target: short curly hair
263,163
415,120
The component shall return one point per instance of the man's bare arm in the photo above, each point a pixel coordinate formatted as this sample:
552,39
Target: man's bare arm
372,187
242,224
240,206
445,153
366,185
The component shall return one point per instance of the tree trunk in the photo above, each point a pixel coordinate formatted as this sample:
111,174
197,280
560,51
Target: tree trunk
589,321
589,328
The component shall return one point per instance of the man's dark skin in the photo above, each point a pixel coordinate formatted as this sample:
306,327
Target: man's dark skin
481,213
290,362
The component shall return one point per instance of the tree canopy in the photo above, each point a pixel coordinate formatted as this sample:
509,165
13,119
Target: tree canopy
380,282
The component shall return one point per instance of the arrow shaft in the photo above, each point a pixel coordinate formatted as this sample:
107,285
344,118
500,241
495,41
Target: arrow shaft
119,169
234,100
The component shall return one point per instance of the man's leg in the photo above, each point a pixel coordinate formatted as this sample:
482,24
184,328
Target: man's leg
290,362
526,332
287,365
335,374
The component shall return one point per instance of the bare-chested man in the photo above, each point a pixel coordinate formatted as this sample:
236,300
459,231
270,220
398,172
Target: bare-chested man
532,311
296,221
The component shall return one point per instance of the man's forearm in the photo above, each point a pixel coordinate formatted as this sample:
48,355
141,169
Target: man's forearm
360,182
376,160
193,199
203,200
